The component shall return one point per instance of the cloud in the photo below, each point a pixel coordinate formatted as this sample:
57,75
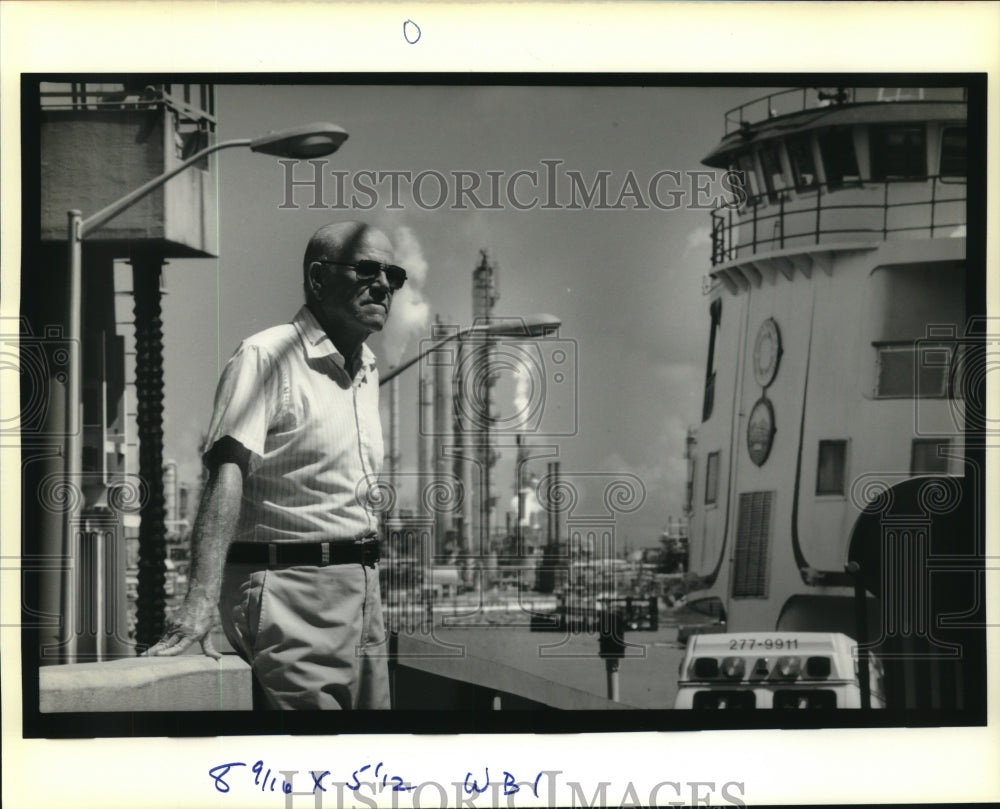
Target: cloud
410,255
697,240
410,310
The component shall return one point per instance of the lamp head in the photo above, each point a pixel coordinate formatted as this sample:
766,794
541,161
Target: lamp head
301,142
536,325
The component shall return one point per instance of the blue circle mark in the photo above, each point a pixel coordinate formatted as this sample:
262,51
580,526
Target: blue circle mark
411,32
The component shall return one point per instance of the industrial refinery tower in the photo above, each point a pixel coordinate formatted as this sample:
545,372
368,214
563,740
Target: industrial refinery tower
473,413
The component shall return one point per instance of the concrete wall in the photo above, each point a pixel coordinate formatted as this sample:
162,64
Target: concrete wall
185,683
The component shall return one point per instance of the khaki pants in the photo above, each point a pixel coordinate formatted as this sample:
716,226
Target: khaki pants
314,636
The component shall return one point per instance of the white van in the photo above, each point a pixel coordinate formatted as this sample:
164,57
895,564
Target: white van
784,670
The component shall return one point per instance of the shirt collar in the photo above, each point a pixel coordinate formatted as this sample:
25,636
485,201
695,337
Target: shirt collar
318,344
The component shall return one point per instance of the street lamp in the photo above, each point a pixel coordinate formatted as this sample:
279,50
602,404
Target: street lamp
530,327
303,142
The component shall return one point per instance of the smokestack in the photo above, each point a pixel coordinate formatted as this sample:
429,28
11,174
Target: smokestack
519,463
520,521
442,438
463,443
425,432
484,297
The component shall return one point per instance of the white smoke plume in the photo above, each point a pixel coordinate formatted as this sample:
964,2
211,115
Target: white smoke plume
410,311
533,511
522,391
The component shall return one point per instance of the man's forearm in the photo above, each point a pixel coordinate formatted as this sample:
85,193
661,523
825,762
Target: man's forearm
214,529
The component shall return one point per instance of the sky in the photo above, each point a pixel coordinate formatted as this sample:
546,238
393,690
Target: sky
626,283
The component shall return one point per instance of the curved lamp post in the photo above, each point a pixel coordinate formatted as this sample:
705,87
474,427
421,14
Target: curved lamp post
302,142
530,327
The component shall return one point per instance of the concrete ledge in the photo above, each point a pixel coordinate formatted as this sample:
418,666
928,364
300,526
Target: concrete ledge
185,683
421,655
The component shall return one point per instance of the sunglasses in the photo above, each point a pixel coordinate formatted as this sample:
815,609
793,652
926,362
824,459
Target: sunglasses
368,270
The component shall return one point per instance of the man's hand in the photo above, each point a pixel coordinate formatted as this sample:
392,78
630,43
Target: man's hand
213,530
192,622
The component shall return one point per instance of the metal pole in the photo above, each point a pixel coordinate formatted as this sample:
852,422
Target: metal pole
100,622
74,427
394,432
861,617
611,666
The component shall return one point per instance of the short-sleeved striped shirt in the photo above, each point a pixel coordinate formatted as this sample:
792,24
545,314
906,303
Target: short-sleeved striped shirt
313,434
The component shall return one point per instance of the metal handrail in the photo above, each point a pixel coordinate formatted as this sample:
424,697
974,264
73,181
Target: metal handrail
74,99
724,229
813,98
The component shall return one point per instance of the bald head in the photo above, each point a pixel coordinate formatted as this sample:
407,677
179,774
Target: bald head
342,241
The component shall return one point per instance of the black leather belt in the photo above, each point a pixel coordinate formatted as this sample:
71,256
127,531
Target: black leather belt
364,551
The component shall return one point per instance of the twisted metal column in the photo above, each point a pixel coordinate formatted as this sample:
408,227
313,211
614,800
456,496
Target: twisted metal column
149,395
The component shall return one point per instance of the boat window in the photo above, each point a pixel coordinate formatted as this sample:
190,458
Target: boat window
929,456
831,467
712,478
774,178
744,165
953,152
840,161
916,312
920,369
898,152
800,155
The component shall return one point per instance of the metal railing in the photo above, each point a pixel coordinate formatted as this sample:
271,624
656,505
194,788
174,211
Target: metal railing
733,232
785,102
116,96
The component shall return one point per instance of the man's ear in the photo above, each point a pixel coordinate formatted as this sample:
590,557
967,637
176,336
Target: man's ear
315,279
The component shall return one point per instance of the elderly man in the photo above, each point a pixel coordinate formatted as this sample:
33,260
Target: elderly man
284,542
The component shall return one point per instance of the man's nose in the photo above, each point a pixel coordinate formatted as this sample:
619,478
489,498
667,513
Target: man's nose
382,280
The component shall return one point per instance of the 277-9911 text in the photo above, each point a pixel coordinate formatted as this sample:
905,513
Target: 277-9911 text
767,643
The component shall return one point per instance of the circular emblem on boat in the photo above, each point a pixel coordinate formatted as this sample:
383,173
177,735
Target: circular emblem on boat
766,352
760,431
